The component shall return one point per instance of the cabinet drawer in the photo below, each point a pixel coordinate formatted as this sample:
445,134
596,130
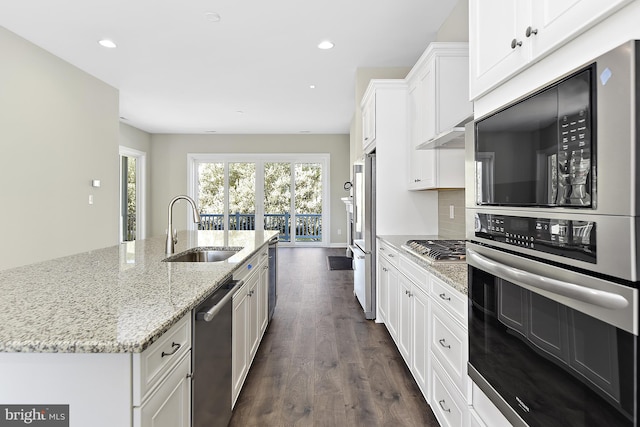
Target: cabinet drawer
449,408
414,272
251,265
389,252
451,300
449,346
153,364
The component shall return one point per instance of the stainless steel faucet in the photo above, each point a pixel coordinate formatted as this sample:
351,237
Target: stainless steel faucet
172,237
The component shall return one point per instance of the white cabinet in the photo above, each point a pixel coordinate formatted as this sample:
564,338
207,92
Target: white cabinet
170,404
405,316
369,122
438,98
249,318
387,288
506,36
162,380
449,355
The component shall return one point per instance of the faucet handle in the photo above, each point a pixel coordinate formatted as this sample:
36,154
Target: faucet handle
175,236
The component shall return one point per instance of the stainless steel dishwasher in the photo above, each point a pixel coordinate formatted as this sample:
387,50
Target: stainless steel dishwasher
211,356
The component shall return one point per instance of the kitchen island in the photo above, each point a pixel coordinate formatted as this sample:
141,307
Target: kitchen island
72,330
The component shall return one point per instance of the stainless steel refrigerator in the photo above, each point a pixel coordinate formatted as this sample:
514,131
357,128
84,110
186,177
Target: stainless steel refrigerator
364,234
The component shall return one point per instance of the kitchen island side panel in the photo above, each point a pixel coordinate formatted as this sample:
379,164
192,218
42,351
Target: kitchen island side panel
96,386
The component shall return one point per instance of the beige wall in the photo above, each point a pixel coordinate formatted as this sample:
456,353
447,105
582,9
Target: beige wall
456,27
169,168
59,130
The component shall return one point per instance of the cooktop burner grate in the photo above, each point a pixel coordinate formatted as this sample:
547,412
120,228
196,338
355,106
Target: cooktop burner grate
438,250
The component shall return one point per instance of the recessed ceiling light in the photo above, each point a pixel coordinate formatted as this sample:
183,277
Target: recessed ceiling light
305,131
240,112
325,45
212,16
312,86
210,131
107,43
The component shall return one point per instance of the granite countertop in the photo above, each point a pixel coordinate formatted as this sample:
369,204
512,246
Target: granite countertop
114,300
453,274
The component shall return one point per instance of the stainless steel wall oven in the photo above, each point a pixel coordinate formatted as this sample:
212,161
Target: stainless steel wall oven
552,230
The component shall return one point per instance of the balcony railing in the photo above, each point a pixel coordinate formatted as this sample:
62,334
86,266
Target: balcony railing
308,226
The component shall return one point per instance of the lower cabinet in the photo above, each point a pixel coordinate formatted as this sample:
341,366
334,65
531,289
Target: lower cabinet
423,316
170,404
250,318
162,380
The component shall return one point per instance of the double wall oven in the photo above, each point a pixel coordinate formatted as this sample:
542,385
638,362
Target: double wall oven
552,247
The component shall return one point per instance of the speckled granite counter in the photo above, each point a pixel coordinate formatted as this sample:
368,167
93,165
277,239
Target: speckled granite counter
113,300
453,274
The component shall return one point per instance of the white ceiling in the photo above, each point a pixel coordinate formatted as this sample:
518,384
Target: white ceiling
179,72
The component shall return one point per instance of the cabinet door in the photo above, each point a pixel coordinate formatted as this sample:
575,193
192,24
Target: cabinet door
557,21
428,95
263,299
253,320
404,318
170,404
383,289
452,92
369,124
394,304
240,338
493,25
420,347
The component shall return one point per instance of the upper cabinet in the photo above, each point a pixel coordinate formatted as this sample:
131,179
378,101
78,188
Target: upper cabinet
438,108
369,121
504,37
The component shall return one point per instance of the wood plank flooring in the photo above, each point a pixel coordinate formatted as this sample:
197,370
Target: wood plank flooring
321,363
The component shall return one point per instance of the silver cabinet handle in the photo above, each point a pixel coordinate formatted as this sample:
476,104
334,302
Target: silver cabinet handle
441,403
443,343
531,31
591,296
391,255
175,346
515,43
266,267
211,313
444,297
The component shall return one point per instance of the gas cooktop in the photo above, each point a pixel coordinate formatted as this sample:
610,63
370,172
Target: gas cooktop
436,251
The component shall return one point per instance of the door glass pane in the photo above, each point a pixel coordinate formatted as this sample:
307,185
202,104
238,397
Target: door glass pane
211,196
128,199
308,202
277,199
242,196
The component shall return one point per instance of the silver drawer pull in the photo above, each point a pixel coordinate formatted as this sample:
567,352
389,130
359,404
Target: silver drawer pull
441,403
175,346
443,343
445,297
391,255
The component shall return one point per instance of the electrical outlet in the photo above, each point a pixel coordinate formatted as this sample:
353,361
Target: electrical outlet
339,231
90,199
452,213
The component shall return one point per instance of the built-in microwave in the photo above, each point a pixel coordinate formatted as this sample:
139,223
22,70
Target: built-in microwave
553,247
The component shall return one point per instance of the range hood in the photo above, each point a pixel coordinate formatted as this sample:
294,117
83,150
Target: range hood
450,138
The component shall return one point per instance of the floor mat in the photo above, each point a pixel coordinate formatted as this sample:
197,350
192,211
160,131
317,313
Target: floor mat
339,263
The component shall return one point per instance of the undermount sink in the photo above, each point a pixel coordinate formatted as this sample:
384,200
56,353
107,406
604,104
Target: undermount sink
204,255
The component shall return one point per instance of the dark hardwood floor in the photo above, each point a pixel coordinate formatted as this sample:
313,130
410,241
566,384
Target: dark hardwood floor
320,362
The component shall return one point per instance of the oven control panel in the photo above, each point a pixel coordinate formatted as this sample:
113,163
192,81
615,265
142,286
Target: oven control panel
564,237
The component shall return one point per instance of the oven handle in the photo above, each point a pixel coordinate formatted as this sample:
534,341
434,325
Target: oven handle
591,296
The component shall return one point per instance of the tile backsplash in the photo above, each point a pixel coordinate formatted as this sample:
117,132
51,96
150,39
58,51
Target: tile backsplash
451,228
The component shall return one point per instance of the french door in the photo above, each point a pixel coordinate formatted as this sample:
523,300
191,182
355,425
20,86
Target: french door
288,193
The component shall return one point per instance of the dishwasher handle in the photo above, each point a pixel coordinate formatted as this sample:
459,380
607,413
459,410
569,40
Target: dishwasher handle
208,315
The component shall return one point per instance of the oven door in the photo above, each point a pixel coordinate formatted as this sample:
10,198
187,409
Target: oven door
551,347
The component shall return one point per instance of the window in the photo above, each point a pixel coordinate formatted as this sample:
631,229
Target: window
281,192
